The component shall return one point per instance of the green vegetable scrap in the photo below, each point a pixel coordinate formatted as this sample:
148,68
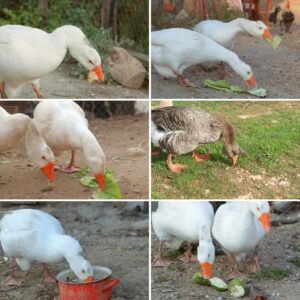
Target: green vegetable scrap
275,42
223,85
215,282
236,287
198,278
112,189
83,171
218,284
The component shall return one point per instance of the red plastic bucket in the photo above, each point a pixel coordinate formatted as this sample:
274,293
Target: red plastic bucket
98,289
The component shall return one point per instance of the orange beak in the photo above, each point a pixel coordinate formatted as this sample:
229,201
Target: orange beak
48,170
88,279
267,35
251,81
206,269
234,160
265,221
96,74
101,181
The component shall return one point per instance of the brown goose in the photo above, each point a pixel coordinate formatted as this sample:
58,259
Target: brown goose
179,130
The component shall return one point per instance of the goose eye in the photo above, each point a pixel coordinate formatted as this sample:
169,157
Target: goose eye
83,271
43,157
260,27
248,72
90,62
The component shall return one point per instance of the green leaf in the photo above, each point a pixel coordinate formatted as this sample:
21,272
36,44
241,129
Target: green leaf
89,181
83,171
275,42
112,189
261,93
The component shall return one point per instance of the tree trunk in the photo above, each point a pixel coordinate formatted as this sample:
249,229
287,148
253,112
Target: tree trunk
44,5
105,13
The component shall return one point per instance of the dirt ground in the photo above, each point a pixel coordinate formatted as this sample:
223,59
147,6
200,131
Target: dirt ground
275,70
175,281
20,179
110,234
60,85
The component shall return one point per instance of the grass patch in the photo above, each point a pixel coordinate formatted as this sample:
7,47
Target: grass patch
272,273
173,254
295,260
267,131
162,278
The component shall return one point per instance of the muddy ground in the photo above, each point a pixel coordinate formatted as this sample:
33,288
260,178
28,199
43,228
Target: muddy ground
275,70
119,138
60,85
282,243
110,234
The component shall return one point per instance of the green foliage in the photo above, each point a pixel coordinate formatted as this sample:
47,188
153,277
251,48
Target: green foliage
272,273
132,20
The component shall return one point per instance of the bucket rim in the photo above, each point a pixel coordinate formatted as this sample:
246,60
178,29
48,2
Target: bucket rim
95,268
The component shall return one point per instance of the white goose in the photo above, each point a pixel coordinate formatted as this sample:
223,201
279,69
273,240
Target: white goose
224,33
64,127
175,222
27,54
175,49
13,128
239,227
31,235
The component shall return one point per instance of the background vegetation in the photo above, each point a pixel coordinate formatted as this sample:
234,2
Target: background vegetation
126,24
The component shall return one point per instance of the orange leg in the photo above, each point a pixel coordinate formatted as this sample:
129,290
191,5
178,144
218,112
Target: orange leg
159,260
11,280
175,168
2,91
47,277
200,157
37,90
187,256
71,168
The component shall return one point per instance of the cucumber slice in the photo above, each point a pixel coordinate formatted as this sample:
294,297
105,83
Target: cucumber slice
237,291
198,278
218,284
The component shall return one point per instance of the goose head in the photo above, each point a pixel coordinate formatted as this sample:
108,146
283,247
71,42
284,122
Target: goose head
81,268
232,151
245,71
81,49
73,253
98,167
206,252
38,151
261,210
259,29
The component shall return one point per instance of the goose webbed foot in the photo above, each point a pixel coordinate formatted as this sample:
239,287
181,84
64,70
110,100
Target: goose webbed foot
187,257
184,81
155,153
175,168
71,168
46,276
161,261
12,281
254,265
236,274
200,157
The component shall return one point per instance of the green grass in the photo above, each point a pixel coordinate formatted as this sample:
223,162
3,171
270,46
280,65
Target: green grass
270,137
295,260
272,273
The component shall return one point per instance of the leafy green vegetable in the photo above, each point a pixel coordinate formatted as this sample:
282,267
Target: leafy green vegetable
275,42
89,181
112,189
83,171
261,93
236,281
223,85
